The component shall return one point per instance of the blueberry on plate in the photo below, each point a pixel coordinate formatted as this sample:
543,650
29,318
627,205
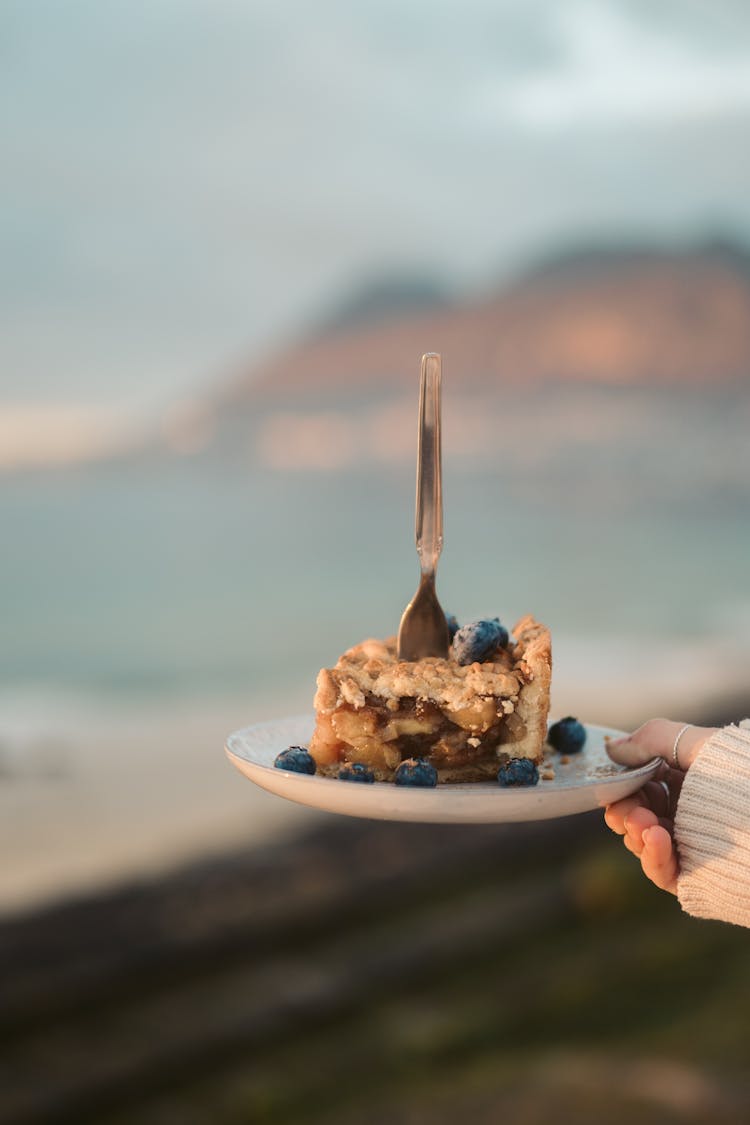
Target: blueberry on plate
518,771
567,735
296,759
452,622
478,640
355,771
416,771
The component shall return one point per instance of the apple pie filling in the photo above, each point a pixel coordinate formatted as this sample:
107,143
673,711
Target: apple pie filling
378,711
381,738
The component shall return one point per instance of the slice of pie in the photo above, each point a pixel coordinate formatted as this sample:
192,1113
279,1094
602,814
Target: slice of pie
464,719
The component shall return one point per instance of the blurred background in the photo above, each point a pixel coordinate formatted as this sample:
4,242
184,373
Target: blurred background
229,231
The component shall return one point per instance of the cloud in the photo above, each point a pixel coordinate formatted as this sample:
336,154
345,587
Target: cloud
185,183
614,69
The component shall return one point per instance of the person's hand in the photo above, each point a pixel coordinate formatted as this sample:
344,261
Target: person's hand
646,819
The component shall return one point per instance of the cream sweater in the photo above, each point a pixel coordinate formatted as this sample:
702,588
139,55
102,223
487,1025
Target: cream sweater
712,829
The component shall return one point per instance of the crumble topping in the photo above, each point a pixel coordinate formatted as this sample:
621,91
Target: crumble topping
372,669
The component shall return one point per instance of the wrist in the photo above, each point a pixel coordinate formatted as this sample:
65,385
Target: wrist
691,744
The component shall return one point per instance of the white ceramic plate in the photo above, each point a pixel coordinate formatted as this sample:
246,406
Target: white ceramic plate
589,781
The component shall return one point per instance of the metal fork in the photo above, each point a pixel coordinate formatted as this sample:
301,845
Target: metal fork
424,629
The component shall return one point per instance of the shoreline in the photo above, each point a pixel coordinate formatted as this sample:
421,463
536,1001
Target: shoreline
130,795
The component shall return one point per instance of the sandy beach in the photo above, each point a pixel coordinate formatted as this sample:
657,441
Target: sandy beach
117,794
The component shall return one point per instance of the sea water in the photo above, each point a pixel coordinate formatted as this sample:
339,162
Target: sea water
143,582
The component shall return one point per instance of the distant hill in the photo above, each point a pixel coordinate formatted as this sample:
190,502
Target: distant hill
591,261
385,298
619,316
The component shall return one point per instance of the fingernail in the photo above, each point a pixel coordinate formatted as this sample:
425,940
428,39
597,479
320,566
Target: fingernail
646,835
616,742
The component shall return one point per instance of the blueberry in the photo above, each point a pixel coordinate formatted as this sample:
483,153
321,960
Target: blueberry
416,771
296,759
518,771
567,735
478,640
452,624
355,771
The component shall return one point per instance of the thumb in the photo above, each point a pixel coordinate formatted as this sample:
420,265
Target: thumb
657,739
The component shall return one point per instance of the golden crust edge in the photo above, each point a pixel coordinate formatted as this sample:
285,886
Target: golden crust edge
534,700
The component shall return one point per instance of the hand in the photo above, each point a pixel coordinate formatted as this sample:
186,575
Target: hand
646,819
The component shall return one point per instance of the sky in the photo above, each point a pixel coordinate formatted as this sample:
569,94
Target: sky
188,184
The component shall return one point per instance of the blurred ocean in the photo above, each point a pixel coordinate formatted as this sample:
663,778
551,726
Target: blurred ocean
204,580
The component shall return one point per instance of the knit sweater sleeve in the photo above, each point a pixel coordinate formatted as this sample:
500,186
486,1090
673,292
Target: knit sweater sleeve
712,829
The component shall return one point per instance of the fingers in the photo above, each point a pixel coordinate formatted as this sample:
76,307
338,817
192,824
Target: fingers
660,796
647,836
659,858
656,739
614,815
645,819
635,824
638,822
629,818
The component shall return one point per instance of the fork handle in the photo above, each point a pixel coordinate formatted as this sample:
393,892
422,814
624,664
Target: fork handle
429,521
